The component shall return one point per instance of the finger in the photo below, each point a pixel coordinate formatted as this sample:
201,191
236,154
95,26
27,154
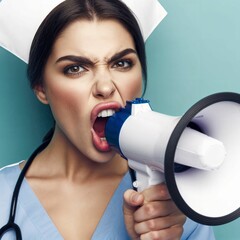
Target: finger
173,233
155,209
132,200
157,224
157,192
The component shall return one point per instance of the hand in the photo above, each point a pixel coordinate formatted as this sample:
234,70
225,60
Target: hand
152,214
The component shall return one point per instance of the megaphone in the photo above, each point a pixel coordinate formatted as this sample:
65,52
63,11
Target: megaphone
197,155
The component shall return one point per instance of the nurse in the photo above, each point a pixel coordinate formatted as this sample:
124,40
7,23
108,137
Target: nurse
86,60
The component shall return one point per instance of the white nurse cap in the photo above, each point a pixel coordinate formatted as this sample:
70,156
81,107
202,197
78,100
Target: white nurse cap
20,19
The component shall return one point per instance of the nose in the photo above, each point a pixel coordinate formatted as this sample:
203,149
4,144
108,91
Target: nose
104,86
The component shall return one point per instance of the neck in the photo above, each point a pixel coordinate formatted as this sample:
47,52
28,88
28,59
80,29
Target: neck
61,159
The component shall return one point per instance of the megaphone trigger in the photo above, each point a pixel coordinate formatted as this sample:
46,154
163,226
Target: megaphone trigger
145,175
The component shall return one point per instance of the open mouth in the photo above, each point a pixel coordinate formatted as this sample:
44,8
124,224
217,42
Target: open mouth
99,117
100,122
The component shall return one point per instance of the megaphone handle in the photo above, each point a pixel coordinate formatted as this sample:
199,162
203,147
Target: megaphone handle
145,176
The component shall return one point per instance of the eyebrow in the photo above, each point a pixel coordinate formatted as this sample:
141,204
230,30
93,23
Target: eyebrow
121,54
87,61
74,58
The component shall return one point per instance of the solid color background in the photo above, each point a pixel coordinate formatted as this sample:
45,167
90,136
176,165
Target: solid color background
194,52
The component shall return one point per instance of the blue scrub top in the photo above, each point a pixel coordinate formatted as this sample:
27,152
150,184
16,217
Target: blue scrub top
35,223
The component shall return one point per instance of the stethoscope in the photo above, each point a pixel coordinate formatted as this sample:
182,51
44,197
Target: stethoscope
11,225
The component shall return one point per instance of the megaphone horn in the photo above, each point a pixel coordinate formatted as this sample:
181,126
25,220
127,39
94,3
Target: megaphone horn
196,154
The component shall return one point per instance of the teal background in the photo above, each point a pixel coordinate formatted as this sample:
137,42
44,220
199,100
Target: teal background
194,52
23,120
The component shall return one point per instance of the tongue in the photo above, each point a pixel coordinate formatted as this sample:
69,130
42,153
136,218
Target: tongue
99,126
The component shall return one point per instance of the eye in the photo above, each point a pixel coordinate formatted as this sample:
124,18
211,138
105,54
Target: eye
123,64
74,70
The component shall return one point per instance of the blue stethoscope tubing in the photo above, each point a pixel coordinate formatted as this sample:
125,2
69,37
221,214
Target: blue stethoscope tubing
11,225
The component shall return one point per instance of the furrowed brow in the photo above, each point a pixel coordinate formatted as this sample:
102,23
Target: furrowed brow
76,59
121,54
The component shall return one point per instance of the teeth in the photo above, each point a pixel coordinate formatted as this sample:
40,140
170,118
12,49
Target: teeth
103,139
106,113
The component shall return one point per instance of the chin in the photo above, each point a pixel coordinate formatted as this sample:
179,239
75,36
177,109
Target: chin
104,157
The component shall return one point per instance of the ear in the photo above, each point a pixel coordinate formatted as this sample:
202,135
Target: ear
41,94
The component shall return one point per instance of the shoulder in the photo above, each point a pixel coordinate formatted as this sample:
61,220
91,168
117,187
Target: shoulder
12,169
196,231
8,177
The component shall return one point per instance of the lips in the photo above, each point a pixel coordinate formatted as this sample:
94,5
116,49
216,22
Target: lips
99,117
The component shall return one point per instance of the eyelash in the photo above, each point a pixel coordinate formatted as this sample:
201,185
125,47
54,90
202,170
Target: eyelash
124,61
69,69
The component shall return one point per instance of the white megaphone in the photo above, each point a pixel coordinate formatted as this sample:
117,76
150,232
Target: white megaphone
197,155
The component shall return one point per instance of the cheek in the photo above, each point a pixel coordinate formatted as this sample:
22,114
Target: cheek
60,95
65,100
133,91
131,87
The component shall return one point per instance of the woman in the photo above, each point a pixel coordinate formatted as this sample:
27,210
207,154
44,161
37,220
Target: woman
86,60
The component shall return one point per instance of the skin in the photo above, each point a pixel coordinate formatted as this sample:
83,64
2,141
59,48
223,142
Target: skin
106,71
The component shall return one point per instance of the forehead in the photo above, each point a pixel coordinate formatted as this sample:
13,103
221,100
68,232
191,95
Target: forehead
96,39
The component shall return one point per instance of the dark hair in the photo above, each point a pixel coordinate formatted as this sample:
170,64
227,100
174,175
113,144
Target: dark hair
69,11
